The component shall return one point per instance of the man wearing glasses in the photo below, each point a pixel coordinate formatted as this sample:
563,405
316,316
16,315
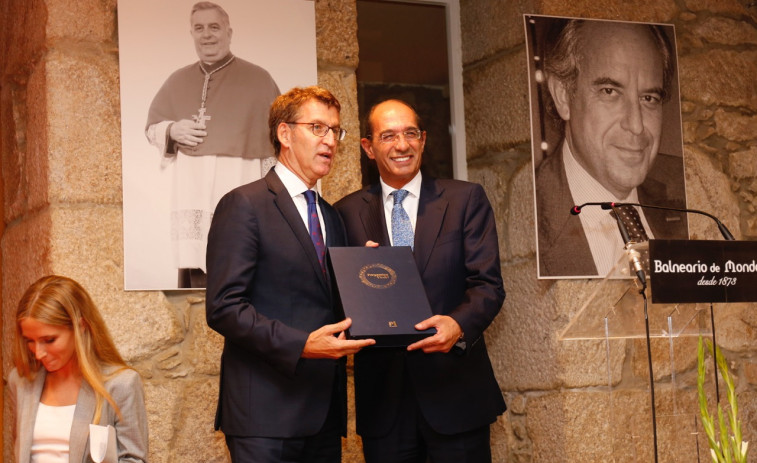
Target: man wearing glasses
283,381
436,399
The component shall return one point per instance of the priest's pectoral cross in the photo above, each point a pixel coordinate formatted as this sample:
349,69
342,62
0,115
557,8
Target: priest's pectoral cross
200,118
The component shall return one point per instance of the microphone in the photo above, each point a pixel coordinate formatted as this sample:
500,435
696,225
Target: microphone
633,254
723,229
575,210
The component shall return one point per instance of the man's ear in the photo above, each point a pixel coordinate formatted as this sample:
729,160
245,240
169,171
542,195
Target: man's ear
284,134
560,95
367,147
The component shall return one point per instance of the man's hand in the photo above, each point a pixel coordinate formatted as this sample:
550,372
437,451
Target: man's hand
371,244
187,132
323,344
447,334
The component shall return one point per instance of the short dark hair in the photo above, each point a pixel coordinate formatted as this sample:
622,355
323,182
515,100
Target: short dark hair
286,108
369,126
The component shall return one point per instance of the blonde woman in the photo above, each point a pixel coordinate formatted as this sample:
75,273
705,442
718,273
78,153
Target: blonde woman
69,375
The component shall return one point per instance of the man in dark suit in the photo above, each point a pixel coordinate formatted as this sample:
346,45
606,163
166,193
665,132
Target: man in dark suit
563,245
608,82
436,399
282,391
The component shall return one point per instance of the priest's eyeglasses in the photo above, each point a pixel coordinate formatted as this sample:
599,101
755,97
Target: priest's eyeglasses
321,130
392,137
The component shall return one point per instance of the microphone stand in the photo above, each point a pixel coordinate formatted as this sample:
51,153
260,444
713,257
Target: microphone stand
642,279
727,235
723,231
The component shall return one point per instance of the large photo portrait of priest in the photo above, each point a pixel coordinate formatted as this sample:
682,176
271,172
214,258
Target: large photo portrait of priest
606,127
197,82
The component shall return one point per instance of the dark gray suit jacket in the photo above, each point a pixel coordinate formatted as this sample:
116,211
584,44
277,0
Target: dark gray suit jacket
563,246
265,294
457,255
131,431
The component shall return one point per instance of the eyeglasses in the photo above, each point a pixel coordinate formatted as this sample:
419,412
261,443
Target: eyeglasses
322,129
392,137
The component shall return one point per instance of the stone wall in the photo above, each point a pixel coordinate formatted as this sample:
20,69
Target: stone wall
560,407
61,172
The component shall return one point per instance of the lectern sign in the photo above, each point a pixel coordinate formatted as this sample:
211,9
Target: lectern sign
703,271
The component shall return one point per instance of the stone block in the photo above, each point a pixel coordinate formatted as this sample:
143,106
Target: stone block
206,345
83,20
336,33
725,31
497,110
709,190
25,161
491,26
344,176
26,257
743,164
638,10
494,179
720,77
521,218
194,436
683,358
162,400
597,426
748,415
735,126
87,245
727,7
750,372
523,339
21,37
84,127
735,326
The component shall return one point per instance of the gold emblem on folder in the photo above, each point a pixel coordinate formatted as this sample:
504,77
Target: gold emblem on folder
392,324
378,276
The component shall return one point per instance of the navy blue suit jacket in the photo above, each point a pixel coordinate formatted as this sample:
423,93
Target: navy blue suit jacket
265,294
457,255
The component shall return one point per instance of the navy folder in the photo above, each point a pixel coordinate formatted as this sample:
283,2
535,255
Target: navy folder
381,291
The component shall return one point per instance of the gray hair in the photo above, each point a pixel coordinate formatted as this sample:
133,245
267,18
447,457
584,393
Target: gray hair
199,6
562,59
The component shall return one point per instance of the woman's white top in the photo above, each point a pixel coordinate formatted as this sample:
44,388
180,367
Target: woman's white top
52,430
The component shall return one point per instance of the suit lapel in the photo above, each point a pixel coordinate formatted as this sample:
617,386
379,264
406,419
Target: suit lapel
372,216
85,410
567,244
288,210
431,210
29,415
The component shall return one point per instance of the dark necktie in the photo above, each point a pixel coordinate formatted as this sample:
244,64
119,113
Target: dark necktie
636,233
630,218
402,229
314,225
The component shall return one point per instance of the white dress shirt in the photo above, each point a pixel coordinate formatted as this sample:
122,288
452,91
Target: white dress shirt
600,227
296,189
410,204
52,430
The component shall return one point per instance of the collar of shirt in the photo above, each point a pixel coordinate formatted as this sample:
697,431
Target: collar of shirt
410,204
296,189
600,227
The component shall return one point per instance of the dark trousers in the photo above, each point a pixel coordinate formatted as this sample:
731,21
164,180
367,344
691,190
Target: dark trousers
412,440
324,447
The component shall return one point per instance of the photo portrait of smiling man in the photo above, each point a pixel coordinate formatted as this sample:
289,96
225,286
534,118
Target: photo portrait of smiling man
605,85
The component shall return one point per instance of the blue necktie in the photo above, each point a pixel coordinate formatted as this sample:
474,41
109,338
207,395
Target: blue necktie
314,225
402,230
